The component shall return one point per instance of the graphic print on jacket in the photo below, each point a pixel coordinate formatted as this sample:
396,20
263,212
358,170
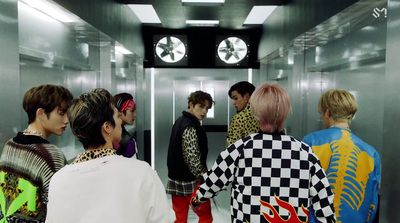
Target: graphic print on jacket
294,218
24,198
348,173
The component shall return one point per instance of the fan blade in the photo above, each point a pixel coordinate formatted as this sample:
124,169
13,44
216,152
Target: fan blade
236,56
237,41
172,56
177,44
169,41
228,55
240,49
223,50
162,46
164,53
228,43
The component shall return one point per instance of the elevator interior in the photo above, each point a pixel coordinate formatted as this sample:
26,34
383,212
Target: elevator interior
351,50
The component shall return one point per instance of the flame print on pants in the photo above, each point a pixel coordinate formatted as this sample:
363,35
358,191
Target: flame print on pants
348,171
276,218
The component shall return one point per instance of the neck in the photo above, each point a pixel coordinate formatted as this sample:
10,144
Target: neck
36,129
108,145
341,125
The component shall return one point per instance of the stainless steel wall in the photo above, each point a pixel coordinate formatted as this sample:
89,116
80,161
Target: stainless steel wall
390,189
10,97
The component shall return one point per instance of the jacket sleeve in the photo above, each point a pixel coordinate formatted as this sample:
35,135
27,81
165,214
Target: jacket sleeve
234,133
321,193
221,174
160,210
191,152
373,207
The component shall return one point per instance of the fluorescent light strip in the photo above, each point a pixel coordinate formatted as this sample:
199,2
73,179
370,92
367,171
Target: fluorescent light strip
122,50
250,75
51,10
203,1
145,13
202,22
259,14
152,119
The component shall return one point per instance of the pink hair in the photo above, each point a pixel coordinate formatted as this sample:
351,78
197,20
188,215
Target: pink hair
270,105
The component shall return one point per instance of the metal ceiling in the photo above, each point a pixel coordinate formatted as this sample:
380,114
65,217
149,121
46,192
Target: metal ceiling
231,14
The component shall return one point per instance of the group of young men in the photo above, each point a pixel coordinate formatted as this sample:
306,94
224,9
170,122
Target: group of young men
351,166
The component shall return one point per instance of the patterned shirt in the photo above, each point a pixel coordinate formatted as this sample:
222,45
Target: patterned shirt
274,178
191,155
241,125
353,169
27,164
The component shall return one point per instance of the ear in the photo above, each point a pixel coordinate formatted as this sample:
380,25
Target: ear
328,113
247,96
107,128
40,113
191,105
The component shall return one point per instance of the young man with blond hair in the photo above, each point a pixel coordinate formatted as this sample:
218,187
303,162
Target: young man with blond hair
351,165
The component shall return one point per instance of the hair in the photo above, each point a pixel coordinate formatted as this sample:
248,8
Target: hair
341,103
87,115
47,97
270,105
120,99
198,97
242,88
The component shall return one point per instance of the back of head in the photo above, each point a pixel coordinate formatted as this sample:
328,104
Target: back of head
124,101
270,105
47,97
341,104
242,88
88,113
198,97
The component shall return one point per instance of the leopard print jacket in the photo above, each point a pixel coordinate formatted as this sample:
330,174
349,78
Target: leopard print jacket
241,125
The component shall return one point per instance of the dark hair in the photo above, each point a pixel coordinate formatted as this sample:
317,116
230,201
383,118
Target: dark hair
198,97
88,113
242,88
47,97
119,100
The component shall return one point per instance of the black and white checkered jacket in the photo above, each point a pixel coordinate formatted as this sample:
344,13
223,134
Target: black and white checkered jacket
274,177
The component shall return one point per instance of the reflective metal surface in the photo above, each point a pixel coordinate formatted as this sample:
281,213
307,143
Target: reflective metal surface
10,98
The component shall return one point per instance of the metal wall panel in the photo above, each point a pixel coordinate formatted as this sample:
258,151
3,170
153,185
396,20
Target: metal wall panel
10,96
390,189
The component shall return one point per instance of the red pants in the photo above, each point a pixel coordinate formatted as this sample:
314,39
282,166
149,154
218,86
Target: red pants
181,207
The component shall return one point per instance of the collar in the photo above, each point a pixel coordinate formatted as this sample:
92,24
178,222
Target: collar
29,139
190,116
94,154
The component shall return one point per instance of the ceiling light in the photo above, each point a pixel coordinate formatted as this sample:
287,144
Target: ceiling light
259,14
202,22
203,1
51,10
145,13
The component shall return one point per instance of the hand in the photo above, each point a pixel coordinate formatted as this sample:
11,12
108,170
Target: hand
195,203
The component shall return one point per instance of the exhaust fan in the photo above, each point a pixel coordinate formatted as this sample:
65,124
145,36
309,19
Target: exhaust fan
170,49
232,50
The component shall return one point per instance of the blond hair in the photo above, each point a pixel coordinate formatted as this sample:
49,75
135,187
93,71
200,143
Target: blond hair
341,104
270,105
